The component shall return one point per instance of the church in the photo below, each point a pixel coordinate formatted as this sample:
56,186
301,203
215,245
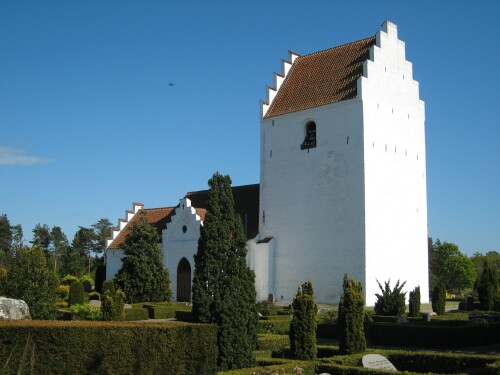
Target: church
342,181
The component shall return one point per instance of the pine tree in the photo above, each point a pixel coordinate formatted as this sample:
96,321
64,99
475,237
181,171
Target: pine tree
30,279
223,285
303,325
391,302
142,276
414,302
351,318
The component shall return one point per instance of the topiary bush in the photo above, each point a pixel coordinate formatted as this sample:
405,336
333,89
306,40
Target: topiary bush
113,307
487,289
76,294
438,300
68,280
350,319
94,296
85,312
414,302
108,285
62,291
391,302
303,325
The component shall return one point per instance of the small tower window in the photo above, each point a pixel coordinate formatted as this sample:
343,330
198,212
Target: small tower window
310,138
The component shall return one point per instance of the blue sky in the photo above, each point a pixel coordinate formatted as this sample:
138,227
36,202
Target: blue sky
103,103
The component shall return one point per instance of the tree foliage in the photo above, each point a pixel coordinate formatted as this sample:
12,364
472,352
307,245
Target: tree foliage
223,285
351,317
5,240
303,325
76,293
391,302
414,302
31,280
142,276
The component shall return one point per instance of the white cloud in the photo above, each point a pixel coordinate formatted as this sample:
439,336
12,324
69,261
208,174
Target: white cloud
14,156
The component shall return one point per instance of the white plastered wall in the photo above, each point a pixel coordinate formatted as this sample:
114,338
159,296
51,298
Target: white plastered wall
259,256
177,243
395,172
313,200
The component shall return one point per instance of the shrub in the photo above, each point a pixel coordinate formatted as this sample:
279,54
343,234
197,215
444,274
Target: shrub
68,280
272,342
278,326
488,287
107,306
113,307
87,278
303,325
62,291
266,308
119,306
350,319
62,304
438,300
3,280
108,285
76,293
414,302
391,302
137,313
94,296
85,312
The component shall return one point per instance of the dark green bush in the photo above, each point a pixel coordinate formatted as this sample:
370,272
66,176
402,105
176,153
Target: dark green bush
272,342
438,299
327,330
76,294
391,302
280,327
351,317
94,296
111,348
487,289
414,302
276,317
166,310
303,325
108,285
184,316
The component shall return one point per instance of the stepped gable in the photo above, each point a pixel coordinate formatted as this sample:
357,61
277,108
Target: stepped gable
157,217
321,78
246,204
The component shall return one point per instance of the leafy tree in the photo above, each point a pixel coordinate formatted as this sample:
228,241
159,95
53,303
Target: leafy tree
414,302
391,302
83,244
59,245
351,317
17,237
5,239
439,299
102,232
453,269
76,293
142,276
41,237
492,258
71,262
223,285
30,280
303,324
488,287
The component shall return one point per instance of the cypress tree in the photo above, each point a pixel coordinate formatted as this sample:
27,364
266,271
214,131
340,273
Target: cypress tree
414,302
439,299
488,288
303,325
223,285
76,293
142,276
351,318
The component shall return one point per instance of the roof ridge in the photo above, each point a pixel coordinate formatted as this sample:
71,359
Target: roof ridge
332,48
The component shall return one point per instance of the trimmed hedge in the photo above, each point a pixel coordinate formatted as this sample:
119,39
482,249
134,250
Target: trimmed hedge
110,347
432,335
280,327
165,311
269,341
184,316
136,314
287,368
276,317
327,331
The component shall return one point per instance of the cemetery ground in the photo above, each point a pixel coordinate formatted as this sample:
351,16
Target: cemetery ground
440,346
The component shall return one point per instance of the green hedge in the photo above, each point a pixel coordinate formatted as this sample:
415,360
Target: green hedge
269,341
327,331
136,314
431,335
280,327
288,368
276,317
110,347
184,316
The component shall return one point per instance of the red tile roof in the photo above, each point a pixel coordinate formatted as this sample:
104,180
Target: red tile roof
322,78
157,217
246,204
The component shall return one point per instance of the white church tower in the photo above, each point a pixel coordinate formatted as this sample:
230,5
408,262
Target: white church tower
343,173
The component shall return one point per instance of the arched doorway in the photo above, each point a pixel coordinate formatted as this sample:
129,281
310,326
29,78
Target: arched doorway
184,281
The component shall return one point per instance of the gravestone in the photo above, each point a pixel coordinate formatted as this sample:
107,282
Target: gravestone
14,309
378,362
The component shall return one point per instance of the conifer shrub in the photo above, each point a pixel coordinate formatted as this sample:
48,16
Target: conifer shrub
391,302
100,276
110,286
414,303
76,294
303,325
488,288
107,306
438,299
350,318
119,306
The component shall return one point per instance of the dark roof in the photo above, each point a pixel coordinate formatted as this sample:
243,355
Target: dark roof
157,217
246,204
321,78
